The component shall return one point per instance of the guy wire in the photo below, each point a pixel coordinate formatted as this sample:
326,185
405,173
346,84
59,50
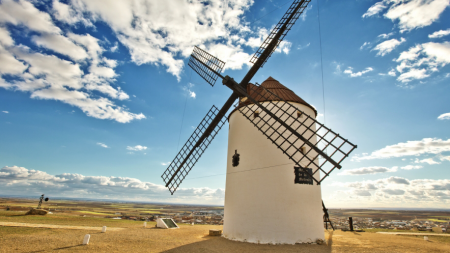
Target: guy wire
321,61
184,110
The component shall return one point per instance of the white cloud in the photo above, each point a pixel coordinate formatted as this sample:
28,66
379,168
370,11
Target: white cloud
392,72
368,170
102,145
444,116
188,89
47,76
5,111
161,33
444,158
386,35
165,164
300,47
427,160
375,9
60,44
21,181
410,14
115,47
387,46
439,34
411,167
24,13
5,37
349,71
409,148
422,60
137,148
69,15
392,191
338,66
365,45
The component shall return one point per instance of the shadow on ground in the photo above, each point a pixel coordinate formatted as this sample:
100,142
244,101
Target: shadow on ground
220,244
62,248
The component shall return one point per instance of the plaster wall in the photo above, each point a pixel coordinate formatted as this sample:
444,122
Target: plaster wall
262,203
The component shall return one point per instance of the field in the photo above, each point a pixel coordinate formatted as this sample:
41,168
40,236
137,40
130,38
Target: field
133,237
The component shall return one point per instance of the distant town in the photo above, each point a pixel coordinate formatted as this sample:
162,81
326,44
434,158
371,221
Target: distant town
363,219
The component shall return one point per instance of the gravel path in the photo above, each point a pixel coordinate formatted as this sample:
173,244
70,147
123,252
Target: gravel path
17,224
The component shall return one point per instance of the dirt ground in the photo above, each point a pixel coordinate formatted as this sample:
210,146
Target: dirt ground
136,238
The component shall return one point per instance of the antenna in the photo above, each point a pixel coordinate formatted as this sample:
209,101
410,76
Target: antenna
275,120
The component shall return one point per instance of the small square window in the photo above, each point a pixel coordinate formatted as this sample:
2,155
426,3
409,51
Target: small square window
256,114
299,114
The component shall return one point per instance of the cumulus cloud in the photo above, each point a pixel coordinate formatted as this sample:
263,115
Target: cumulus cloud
429,161
21,181
439,34
137,148
411,167
444,116
422,60
368,170
103,145
377,170
47,75
409,148
395,191
349,71
161,33
410,14
387,46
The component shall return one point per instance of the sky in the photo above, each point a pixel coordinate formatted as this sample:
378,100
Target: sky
96,97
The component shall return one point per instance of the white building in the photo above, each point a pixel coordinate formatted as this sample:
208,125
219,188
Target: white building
262,202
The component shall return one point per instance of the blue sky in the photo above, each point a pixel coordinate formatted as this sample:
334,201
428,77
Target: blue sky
96,97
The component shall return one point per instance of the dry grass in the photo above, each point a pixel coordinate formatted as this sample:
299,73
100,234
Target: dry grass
135,238
195,239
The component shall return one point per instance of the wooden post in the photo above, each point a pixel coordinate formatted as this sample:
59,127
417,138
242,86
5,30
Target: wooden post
350,223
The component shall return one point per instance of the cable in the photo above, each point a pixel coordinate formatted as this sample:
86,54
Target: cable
321,61
279,7
240,171
182,119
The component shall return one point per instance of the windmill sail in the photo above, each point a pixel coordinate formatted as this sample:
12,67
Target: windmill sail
206,65
296,8
209,68
192,150
293,132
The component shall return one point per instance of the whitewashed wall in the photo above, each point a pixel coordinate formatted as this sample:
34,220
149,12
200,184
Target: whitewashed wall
262,203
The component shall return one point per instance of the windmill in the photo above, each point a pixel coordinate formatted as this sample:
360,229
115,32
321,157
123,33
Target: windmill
264,205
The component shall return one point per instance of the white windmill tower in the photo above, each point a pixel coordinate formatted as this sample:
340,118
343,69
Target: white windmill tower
265,202
287,123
